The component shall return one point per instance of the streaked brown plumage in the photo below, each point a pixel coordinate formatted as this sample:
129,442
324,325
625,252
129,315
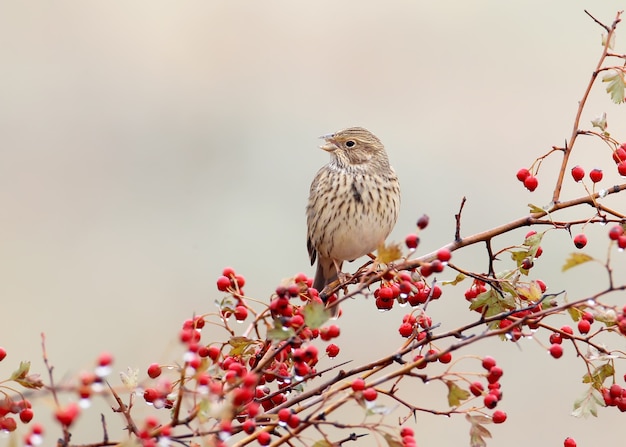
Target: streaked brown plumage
353,202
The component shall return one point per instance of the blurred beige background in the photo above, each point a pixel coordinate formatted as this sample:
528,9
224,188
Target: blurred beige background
145,145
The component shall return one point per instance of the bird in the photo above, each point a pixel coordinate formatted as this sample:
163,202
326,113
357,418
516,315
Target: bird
353,204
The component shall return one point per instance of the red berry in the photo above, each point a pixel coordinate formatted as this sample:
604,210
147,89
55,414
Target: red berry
26,415
241,281
293,421
412,241
498,417
615,391
580,240
522,174
264,438
358,384
241,313
406,329
213,352
556,351
332,350
490,401
621,242
584,326
406,431
494,374
154,370
105,359
385,293
228,272
578,173
531,183
370,394
595,175
488,362
3,354
68,414
249,426
223,283
568,330
569,442
284,414
621,168
555,338
444,255
422,222
615,232
619,155
527,264
476,388
445,358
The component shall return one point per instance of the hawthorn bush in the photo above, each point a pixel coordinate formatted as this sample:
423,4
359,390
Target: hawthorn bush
260,383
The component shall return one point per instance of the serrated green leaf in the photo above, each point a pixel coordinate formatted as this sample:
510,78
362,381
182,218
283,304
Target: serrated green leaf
241,346
315,315
599,375
21,376
494,303
478,432
280,332
456,394
575,259
616,85
388,253
530,292
460,277
588,404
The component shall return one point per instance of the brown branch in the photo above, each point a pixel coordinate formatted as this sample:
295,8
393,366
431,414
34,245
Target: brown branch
581,105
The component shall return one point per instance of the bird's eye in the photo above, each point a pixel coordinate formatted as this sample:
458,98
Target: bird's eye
350,143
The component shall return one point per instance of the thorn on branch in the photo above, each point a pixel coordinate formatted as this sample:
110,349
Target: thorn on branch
457,217
597,21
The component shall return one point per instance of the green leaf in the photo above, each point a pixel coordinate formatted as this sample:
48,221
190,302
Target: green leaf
21,376
460,277
392,441
388,253
456,394
599,375
242,346
575,259
616,85
530,292
611,43
315,315
588,404
600,122
494,303
478,432
534,209
280,332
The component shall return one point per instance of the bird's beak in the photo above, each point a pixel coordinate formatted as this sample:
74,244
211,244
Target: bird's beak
330,145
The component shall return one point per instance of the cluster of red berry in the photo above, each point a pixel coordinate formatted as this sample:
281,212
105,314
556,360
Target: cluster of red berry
615,396
578,173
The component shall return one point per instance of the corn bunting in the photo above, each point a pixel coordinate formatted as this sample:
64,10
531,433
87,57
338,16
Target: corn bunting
353,202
